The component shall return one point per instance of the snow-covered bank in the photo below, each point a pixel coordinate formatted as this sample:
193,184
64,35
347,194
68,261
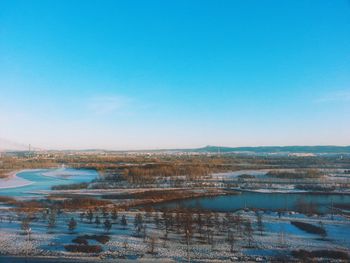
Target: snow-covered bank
13,181
278,236
272,191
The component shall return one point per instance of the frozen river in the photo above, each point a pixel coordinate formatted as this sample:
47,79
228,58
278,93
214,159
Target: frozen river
44,179
267,201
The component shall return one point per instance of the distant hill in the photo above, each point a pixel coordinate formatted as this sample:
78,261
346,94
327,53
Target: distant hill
277,149
328,149
8,146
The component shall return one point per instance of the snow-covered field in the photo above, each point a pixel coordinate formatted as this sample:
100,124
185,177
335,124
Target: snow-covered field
235,174
331,177
13,181
279,238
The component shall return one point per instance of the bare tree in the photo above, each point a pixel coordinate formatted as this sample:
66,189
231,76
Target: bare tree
188,230
208,221
82,215
199,222
125,244
156,219
138,223
124,222
107,225
25,224
90,215
44,214
238,224
248,231
324,232
231,240
165,238
260,223
72,225
52,219
114,214
152,244
104,212
282,237
97,221
144,232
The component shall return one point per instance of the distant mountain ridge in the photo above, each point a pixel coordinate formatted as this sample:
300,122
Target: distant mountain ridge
276,149
7,145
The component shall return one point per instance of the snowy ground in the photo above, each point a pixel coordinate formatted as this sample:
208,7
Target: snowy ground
13,181
279,237
334,176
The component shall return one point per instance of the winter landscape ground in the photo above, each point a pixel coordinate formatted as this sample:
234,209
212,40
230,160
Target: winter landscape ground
174,207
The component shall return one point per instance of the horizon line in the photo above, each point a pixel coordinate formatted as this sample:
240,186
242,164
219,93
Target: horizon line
39,149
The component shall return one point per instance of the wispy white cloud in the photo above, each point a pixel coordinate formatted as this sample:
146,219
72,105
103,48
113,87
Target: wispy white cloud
107,104
336,96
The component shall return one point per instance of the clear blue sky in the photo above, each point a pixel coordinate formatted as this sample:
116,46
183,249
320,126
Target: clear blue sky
158,74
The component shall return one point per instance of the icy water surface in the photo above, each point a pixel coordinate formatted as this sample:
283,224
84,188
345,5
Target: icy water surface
268,201
44,179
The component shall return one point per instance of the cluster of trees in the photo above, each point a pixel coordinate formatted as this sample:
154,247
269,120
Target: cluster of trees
140,170
50,217
192,226
70,186
297,174
199,226
103,216
204,226
79,203
110,160
12,163
152,173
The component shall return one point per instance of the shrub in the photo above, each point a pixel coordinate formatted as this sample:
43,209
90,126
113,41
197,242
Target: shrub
299,174
309,228
103,239
83,248
333,254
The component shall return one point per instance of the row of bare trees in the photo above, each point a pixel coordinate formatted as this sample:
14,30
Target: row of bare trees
191,226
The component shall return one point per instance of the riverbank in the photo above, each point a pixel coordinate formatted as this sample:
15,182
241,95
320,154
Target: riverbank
292,191
145,197
277,236
82,259
13,181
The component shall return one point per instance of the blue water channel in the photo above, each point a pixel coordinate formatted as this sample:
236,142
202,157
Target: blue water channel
265,201
40,181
